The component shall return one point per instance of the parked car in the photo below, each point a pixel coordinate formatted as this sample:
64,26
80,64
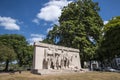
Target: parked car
110,69
97,69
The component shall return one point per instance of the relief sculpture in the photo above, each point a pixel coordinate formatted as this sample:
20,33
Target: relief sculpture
54,60
52,57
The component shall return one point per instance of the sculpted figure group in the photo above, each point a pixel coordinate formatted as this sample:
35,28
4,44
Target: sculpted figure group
54,60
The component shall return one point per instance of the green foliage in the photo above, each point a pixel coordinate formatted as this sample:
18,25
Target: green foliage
20,46
110,44
79,27
27,56
115,22
6,55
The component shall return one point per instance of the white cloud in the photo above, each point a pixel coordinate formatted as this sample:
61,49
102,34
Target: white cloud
105,22
49,13
9,23
36,21
52,10
49,29
36,37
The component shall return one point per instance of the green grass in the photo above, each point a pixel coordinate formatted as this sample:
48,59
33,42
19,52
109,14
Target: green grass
70,76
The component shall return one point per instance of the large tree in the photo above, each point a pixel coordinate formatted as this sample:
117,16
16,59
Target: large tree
110,43
19,45
79,27
6,55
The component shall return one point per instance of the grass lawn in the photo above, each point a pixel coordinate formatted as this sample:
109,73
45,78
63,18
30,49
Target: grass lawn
70,76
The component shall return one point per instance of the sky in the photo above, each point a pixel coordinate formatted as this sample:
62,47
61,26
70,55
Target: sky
35,18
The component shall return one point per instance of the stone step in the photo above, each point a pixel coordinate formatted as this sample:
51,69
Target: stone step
55,71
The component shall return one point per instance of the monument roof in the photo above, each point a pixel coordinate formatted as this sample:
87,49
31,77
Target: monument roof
45,45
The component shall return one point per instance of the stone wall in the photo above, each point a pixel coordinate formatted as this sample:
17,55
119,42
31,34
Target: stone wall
52,57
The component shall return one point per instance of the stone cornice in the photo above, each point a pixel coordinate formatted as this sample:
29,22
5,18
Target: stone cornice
40,44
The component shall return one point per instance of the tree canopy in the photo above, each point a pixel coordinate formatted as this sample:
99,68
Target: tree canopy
110,44
79,27
6,55
17,44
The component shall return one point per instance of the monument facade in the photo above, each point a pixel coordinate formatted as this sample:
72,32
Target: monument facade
52,57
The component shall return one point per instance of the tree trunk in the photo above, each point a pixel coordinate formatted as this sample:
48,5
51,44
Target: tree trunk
82,59
82,63
6,65
90,66
20,63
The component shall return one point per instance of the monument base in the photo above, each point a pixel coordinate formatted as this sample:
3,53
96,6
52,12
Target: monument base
53,71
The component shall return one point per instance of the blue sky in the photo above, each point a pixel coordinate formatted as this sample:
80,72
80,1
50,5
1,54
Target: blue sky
34,18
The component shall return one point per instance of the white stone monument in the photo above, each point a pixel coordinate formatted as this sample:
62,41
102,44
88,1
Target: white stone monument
48,58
